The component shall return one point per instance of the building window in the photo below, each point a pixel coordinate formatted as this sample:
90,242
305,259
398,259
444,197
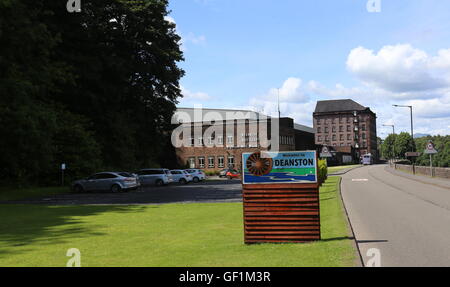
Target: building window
318,122
334,129
201,162
191,141
319,130
220,161
341,129
191,162
334,137
363,127
200,141
364,135
349,137
326,138
326,129
341,137
229,139
319,138
211,162
348,128
210,140
231,161
220,140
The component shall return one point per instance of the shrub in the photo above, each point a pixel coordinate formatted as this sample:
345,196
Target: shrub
322,171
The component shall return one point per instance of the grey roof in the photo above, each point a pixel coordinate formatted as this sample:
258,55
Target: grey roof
303,128
338,106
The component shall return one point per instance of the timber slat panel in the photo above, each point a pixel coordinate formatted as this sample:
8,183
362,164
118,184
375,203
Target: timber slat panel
249,223
281,213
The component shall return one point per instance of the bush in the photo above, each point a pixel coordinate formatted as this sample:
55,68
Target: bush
212,172
322,171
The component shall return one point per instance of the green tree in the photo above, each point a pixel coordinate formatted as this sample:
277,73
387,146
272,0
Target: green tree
442,145
95,89
403,144
388,146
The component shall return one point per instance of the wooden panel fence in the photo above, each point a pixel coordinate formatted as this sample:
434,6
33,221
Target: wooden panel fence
281,213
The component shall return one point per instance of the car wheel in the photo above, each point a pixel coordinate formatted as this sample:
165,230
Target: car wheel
196,179
159,182
183,181
116,188
78,188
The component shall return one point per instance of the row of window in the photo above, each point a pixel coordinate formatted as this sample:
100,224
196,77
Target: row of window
341,137
287,140
210,161
341,129
335,120
250,140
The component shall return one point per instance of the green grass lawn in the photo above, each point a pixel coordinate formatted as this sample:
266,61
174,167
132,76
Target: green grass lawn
332,169
163,235
25,193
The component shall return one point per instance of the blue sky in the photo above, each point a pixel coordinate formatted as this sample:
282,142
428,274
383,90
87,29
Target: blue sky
239,52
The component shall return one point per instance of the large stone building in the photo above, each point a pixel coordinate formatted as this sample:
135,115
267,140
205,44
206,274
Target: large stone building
214,139
346,126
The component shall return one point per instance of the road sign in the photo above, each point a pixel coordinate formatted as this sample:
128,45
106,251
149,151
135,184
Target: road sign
325,152
279,167
430,148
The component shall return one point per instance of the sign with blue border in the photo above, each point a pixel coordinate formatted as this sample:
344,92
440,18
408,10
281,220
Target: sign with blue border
279,167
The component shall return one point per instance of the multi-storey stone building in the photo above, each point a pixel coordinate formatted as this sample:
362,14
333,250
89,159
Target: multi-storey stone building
211,144
346,126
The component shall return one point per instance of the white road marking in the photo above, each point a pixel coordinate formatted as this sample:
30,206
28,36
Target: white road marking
360,179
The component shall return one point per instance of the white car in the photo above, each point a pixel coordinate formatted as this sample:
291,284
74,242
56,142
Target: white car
197,174
181,176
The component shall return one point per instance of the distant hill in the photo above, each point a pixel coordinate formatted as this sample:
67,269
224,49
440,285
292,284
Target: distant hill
416,136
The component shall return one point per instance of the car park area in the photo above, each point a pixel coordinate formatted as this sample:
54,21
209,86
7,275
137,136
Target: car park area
207,191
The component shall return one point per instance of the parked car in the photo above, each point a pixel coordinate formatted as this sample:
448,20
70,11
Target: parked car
233,174
154,176
113,181
223,172
197,174
181,176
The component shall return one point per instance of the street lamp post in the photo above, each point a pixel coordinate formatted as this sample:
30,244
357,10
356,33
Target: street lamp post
412,131
393,145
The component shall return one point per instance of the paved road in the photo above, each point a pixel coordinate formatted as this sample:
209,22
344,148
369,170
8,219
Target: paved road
408,221
209,191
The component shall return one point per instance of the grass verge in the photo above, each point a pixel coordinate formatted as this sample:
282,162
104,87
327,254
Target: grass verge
163,235
332,169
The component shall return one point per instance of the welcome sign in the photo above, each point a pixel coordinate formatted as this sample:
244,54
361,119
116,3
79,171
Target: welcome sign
279,167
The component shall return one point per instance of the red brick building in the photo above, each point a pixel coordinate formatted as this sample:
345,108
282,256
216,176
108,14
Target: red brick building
346,126
217,144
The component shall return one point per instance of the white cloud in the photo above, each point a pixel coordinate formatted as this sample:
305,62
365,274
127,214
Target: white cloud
298,101
188,95
189,38
401,69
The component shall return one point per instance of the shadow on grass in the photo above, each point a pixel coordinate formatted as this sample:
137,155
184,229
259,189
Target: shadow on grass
40,225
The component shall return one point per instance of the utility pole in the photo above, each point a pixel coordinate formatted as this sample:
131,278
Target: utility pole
279,113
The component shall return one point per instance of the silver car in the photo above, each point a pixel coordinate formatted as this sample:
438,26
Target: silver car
154,176
112,181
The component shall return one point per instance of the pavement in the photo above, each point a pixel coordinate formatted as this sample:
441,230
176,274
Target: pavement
397,219
207,191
